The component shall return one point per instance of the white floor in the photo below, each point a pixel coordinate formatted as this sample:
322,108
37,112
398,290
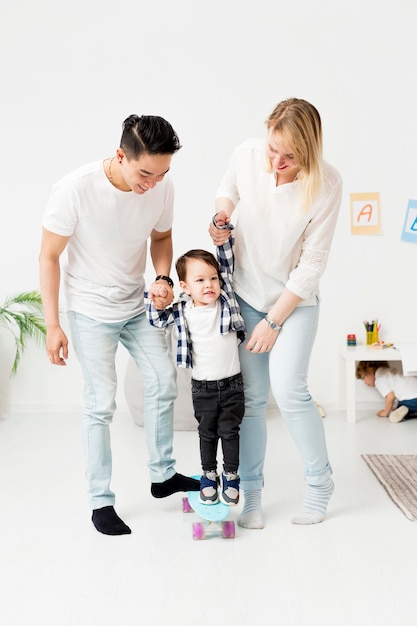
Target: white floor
358,568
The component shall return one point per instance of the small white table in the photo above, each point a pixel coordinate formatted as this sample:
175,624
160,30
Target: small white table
349,357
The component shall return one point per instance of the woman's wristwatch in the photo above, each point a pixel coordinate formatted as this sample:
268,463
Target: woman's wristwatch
167,278
272,324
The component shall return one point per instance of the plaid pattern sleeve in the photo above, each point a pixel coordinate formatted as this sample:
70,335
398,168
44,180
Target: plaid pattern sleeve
231,318
166,317
157,318
184,354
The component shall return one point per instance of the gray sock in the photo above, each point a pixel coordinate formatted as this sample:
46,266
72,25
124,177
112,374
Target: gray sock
251,516
315,504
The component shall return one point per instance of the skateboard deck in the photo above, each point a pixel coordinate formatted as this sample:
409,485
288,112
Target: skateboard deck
213,516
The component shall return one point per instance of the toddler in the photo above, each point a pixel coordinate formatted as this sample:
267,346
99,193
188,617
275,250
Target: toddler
400,392
210,327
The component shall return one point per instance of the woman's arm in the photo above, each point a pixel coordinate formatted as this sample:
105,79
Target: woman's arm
224,209
263,337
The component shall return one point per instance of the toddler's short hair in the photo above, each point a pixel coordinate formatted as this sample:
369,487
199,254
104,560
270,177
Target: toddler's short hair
201,255
363,367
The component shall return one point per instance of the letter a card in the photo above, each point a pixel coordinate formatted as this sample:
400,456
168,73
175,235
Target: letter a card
410,224
365,214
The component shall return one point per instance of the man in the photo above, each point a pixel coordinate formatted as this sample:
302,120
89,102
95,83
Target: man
102,215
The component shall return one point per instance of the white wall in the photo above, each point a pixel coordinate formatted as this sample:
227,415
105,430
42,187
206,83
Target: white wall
71,73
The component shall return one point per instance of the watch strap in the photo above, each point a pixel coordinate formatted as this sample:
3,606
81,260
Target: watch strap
167,278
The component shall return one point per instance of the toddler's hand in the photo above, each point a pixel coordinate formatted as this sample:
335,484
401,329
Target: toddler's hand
221,219
158,291
161,295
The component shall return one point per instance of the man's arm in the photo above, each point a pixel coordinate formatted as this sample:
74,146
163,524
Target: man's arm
161,251
52,247
161,255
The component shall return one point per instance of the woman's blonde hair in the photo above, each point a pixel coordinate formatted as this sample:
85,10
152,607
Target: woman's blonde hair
298,124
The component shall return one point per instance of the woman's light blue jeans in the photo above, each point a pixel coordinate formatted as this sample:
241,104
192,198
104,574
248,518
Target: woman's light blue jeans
95,344
285,370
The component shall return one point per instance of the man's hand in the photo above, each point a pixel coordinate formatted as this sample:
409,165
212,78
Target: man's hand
161,294
57,345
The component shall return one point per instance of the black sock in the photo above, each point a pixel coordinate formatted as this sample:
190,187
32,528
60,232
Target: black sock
108,522
177,483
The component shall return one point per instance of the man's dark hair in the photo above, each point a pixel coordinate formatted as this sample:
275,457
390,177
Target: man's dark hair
148,134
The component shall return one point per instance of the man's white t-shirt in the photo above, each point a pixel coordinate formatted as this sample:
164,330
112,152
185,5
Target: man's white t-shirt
103,269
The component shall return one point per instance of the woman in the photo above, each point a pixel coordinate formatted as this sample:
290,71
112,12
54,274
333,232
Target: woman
287,201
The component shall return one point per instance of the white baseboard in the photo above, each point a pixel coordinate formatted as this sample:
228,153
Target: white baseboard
15,408
78,409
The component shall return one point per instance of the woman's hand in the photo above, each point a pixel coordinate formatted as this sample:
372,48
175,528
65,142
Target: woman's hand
262,338
219,234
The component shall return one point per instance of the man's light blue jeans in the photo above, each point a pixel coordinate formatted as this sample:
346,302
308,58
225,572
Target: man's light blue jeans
284,369
95,344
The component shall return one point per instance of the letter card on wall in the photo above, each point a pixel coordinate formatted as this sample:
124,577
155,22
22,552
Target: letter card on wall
410,224
365,214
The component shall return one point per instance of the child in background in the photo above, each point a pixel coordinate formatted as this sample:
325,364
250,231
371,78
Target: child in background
400,392
210,328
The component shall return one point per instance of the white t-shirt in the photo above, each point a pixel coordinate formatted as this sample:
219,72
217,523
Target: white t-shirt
215,356
387,380
277,245
103,270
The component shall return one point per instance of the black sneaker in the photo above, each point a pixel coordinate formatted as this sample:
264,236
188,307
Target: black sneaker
209,483
230,488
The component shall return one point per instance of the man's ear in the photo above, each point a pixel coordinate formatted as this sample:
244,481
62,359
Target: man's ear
120,154
184,287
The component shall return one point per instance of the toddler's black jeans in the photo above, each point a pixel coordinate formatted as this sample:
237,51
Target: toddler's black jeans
219,406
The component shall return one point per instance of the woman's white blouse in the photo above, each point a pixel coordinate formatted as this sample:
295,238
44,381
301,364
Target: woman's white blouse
277,245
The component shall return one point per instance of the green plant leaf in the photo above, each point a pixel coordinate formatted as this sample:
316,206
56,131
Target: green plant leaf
22,315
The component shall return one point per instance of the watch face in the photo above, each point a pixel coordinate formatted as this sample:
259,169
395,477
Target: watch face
272,324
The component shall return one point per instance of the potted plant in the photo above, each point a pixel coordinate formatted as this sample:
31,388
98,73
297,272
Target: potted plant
22,315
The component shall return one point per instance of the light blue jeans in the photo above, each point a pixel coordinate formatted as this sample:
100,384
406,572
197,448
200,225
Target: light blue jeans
285,370
95,344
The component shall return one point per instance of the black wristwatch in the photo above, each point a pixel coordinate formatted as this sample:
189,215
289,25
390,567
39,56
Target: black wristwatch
272,324
167,278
